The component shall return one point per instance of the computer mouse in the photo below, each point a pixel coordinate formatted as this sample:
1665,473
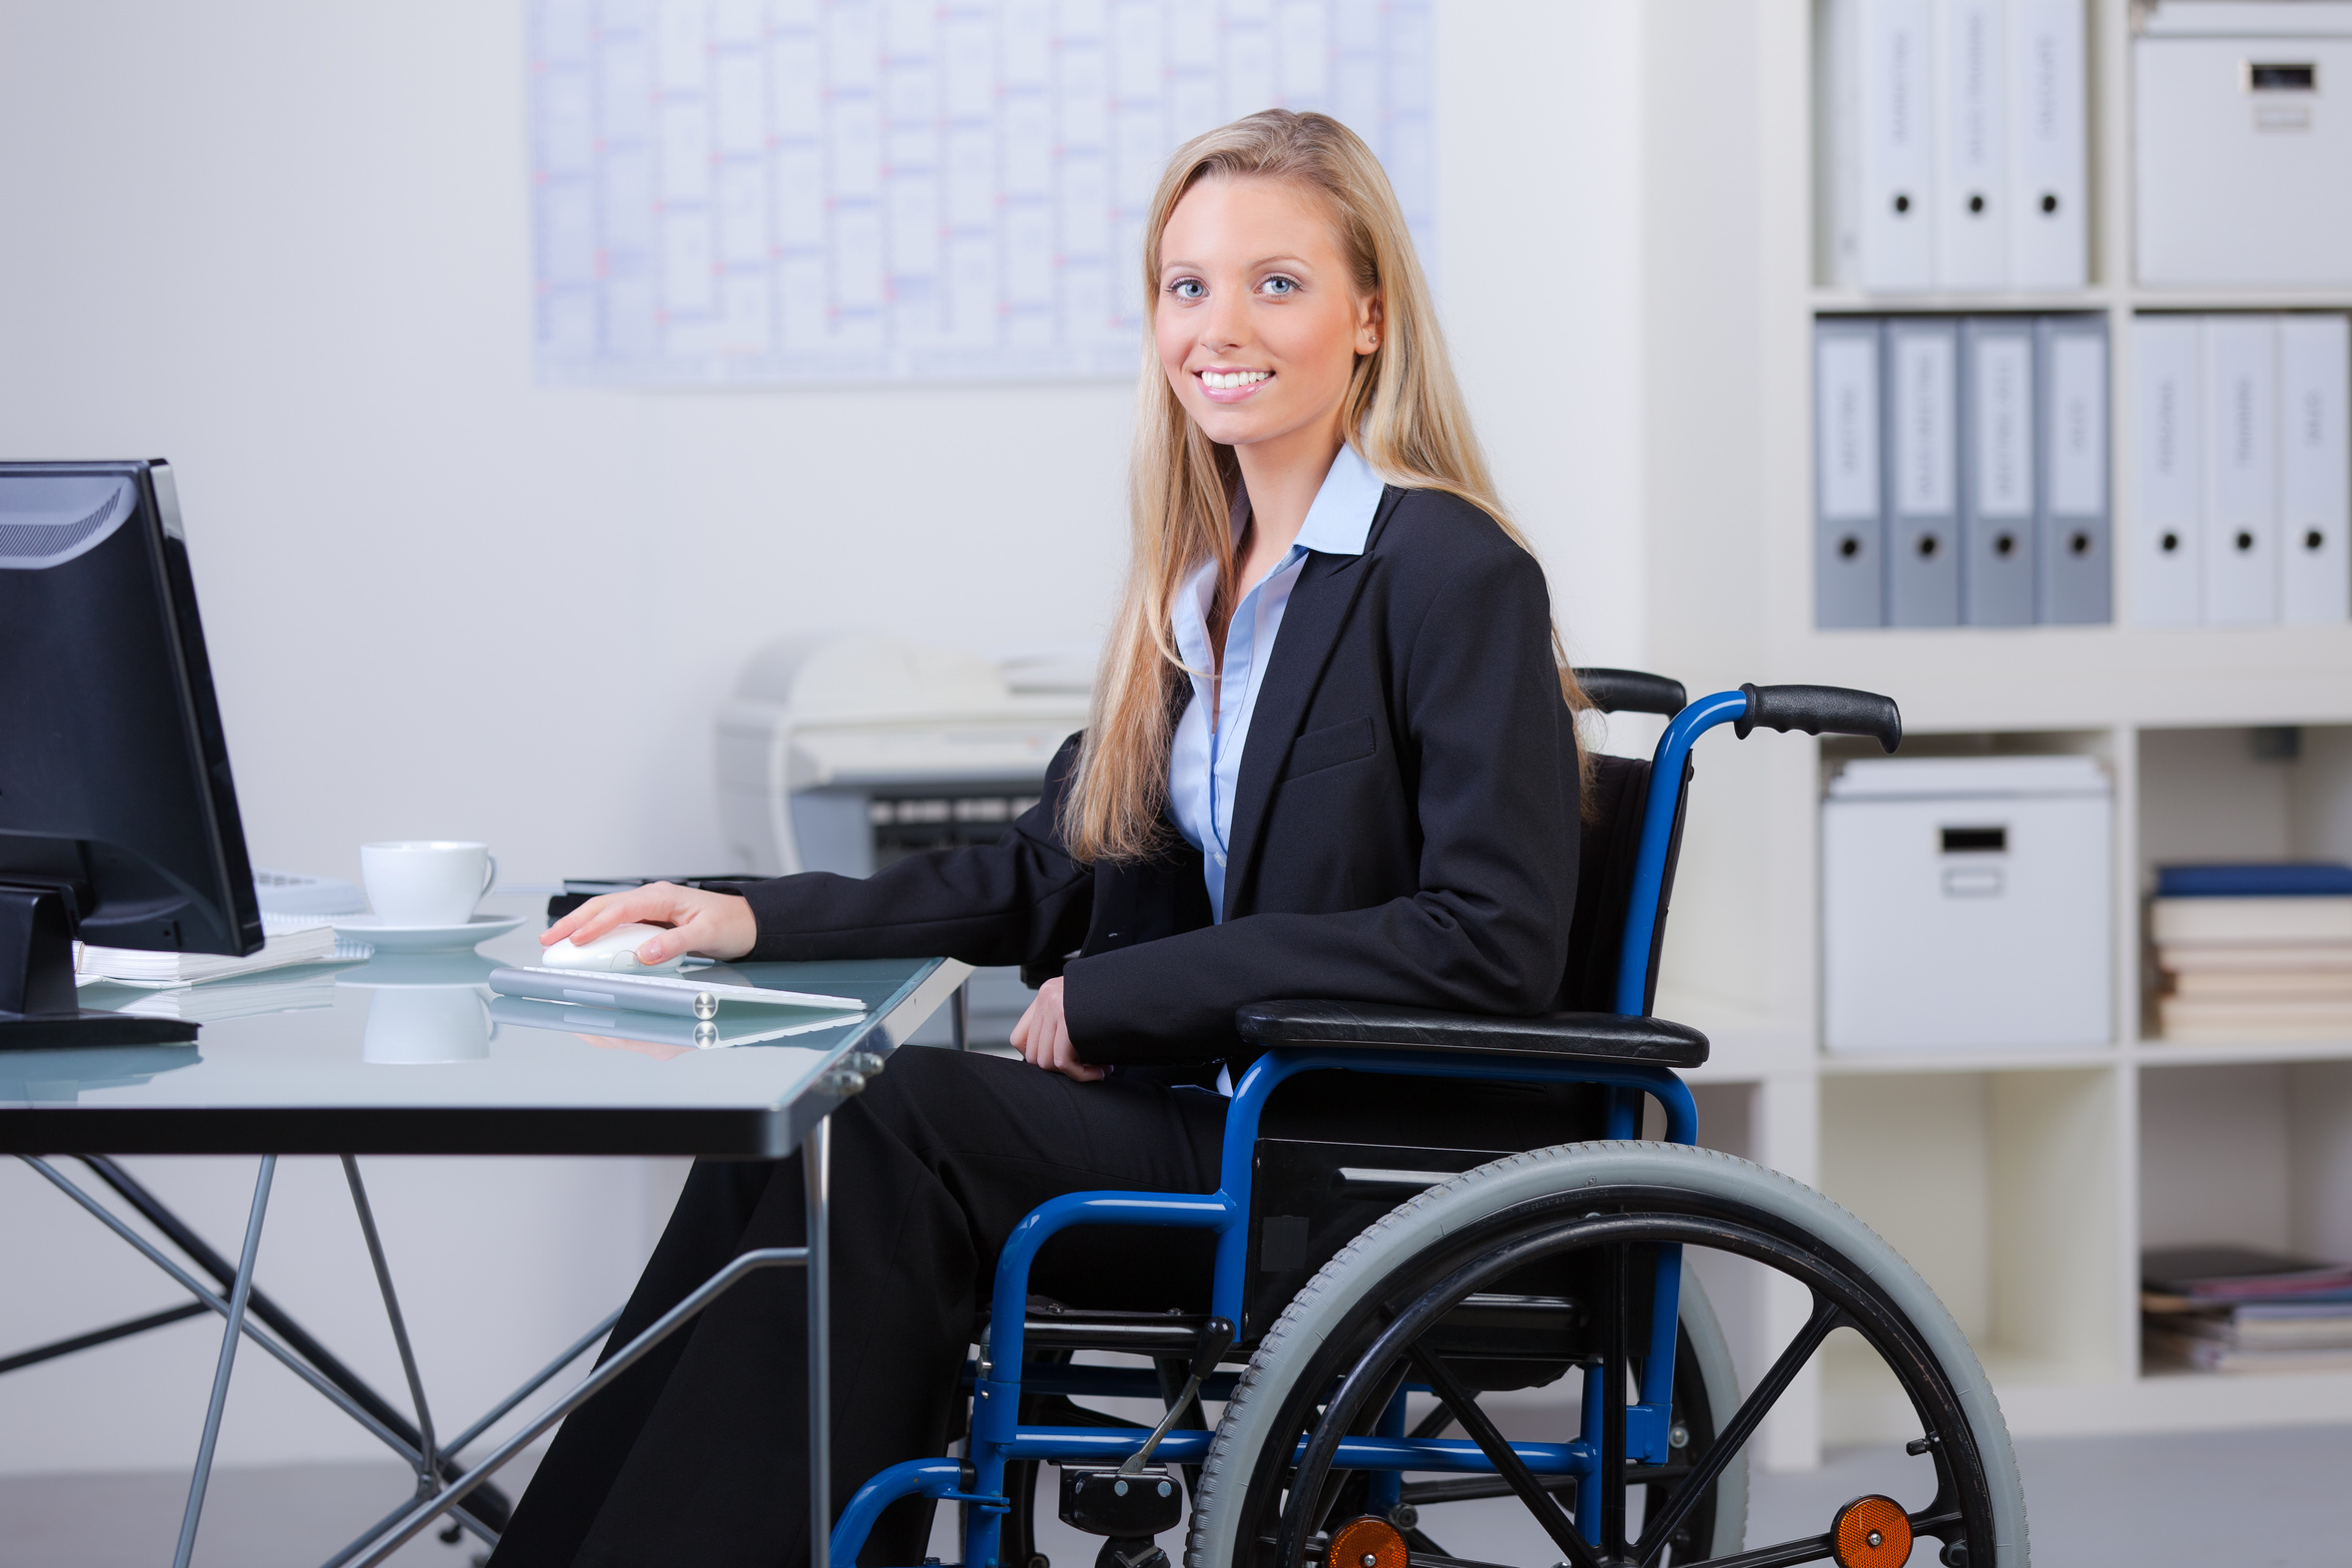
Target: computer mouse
615,950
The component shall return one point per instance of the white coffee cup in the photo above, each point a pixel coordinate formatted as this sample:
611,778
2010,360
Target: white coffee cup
426,881
414,1025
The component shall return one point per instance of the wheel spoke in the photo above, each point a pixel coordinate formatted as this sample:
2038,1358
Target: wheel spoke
1505,1458
1826,1316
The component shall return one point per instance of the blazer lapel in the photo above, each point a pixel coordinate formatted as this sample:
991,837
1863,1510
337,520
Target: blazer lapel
1327,590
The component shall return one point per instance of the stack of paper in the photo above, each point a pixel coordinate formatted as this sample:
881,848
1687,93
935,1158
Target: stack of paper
2254,952
236,997
2235,1310
285,939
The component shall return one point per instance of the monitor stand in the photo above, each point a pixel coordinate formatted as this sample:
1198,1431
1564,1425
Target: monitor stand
37,1002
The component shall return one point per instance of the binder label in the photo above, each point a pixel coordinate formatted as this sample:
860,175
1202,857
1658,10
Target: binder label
1849,428
2004,451
2079,426
1923,424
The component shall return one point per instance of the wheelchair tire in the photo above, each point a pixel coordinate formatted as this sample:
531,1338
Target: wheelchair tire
1327,1325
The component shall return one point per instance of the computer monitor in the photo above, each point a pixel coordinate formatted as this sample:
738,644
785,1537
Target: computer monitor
118,820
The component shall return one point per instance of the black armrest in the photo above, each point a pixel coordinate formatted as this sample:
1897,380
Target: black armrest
1612,1037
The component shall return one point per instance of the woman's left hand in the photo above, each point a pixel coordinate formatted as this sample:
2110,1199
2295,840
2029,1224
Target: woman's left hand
1043,1036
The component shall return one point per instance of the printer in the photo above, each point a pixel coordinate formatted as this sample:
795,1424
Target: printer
845,753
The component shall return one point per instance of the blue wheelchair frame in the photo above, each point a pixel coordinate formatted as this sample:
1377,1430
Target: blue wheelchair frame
998,1438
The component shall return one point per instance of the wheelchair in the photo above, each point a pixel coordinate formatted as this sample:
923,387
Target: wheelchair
1354,1281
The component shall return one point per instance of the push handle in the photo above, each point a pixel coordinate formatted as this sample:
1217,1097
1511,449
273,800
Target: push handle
1817,710
1632,692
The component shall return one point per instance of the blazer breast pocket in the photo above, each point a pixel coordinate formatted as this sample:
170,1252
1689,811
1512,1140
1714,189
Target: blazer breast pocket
1349,741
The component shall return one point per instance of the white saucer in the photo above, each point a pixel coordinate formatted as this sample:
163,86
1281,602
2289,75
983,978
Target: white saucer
385,939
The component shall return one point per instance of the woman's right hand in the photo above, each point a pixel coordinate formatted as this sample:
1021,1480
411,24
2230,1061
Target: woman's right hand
717,925
1043,1036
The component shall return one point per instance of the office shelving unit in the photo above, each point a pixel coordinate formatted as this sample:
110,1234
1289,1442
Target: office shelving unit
2022,1184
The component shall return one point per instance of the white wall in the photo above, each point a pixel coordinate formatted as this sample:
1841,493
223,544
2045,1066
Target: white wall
287,247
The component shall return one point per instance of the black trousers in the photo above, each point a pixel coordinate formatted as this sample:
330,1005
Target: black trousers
698,1454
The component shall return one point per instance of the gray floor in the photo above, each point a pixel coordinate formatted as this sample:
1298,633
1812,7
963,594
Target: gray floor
2279,1498
288,1517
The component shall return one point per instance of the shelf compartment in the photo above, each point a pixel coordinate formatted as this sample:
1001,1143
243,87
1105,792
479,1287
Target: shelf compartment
2000,1189
2238,793
2254,1154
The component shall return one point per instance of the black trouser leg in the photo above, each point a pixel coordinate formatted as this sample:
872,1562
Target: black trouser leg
698,1454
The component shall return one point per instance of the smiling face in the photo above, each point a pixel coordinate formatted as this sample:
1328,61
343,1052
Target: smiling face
1258,322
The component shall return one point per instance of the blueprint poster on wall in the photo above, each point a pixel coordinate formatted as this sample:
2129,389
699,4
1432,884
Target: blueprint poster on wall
776,191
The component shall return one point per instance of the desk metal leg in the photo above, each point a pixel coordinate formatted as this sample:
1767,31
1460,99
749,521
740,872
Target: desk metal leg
960,1018
233,1331
817,1173
348,1387
428,1462
297,1365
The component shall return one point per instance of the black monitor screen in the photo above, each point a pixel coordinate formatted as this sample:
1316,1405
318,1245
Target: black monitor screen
113,776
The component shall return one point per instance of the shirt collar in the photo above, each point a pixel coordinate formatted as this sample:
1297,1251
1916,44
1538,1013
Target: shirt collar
1338,521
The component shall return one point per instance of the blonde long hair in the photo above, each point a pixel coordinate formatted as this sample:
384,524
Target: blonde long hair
1403,414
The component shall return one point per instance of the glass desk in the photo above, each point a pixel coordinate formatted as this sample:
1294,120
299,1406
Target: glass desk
412,1054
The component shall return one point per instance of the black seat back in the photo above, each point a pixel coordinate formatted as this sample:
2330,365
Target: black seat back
1616,793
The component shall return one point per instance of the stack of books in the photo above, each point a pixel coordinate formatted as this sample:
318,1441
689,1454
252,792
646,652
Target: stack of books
2253,952
2237,1309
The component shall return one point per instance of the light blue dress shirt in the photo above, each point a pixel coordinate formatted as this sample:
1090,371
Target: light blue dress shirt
1205,764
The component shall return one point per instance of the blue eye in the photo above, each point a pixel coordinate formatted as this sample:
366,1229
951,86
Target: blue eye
1280,287
1188,289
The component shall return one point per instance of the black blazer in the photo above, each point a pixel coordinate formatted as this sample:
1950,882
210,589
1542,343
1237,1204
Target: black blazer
1404,827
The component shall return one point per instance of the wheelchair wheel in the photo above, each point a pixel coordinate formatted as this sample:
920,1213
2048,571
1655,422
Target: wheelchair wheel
1358,1330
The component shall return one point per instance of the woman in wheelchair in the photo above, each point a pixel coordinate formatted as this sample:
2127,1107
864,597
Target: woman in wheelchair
1332,753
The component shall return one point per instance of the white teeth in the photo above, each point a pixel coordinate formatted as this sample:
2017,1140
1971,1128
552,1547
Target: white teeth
1233,381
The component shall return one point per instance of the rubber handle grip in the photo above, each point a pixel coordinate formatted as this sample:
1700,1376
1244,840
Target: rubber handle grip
1632,692
1822,710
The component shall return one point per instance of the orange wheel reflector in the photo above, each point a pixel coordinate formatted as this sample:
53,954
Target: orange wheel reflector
1368,1542
1871,1532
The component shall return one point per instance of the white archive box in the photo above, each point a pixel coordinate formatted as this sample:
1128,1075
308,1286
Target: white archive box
1966,902
2243,143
